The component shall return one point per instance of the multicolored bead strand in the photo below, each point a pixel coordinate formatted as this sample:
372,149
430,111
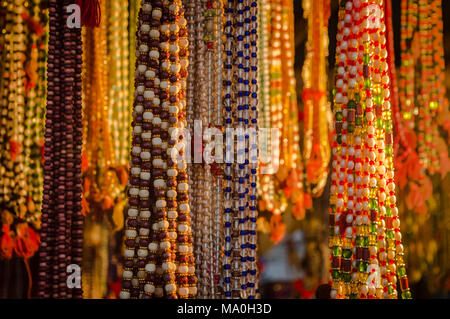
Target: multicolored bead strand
369,242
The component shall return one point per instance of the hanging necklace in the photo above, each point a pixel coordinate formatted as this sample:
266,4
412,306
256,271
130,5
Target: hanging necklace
240,273
281,172
316,152
118,77
158,233
62,220
421,87
366,147
228,275
21,114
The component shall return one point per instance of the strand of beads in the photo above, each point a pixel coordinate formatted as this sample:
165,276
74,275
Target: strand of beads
48,247
228,105
183,198
281,173
62,220
140,172
276,110
399,249
13,193
134,7
202,198
241,165
165,168
264,180
213,119
316,151
361,189
252,274
367,146
189,6
345,174
158,118
336,189
217,169
394,245
118,77
385,253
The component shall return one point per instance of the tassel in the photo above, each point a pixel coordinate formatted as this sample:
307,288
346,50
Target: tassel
90,13
6,243
30,277
27,242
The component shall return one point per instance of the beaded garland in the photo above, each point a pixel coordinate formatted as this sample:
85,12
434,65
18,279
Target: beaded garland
422,91
281,168
365,233
119,114
62,220
159,259
203,93
316,147
241,112
21,107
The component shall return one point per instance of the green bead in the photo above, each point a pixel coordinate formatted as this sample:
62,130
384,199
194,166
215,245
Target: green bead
357,97
390,290
359,241
347,253
334,91
339,116
377,99
433,105
373,228
406,294
379,123
388,211
366,59
406,63
350,128
407,115
358,121
353,296
343,2
365,241
346,277
351,104
388,127
401,271
390,234
337,251
367,83
335,274
362,266
372,203
339,139
389,150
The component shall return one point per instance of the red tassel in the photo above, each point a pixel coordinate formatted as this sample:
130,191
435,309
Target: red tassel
6,243
27,242
90,13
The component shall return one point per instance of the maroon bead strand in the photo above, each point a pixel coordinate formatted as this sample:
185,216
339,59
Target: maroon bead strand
62,219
